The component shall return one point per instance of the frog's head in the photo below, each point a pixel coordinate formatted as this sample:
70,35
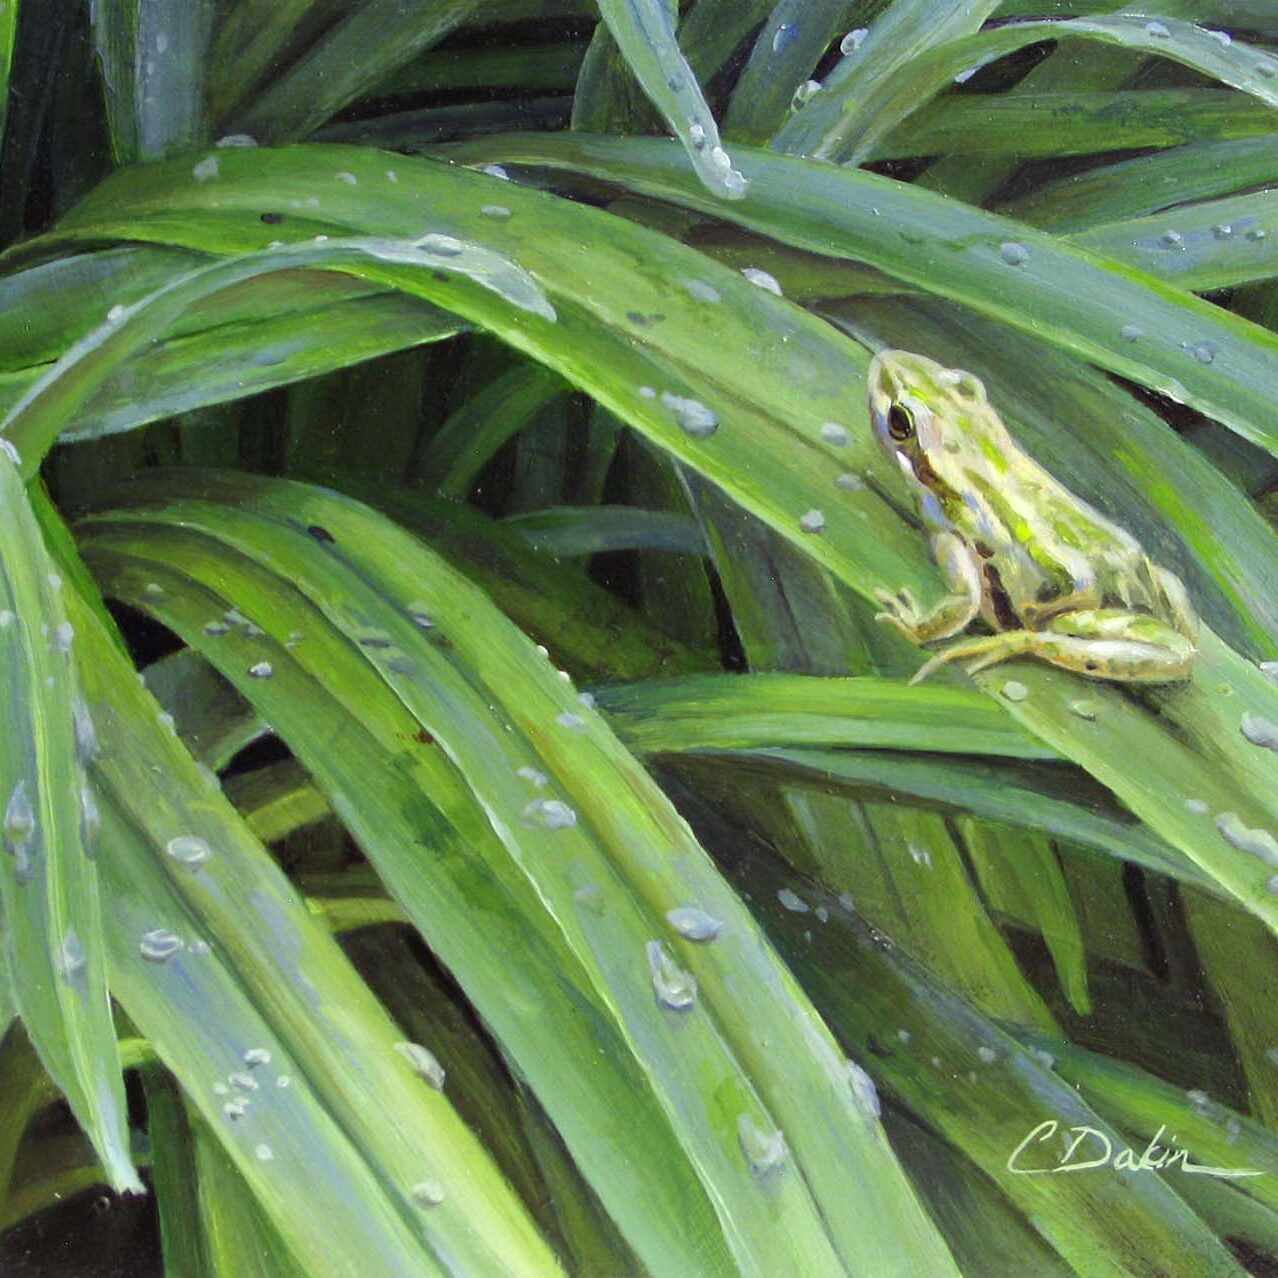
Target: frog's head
933,421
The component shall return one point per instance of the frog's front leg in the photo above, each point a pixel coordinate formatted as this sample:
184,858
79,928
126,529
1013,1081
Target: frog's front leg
953,614
1100,643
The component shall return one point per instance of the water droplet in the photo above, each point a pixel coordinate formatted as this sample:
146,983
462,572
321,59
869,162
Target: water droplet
221,1089
694,924
189,850
903,1035
283,1081
496,170
675,988
241,140
72,960
1083,709
813,521
153,588
19,816
1014,690
864,1094
590,898
853,40
783,35
1270,670
349,178
255,1057
1222,230
1013,254
691,416
1156,31
845,900
429,1193
920,856
159,945
1198,1098
734,182
761,279
987,1054
198,948
835,435
1259,731
263,1152
1203,353
441,245
7,616
1222,36
236,1109
570,719
701,291
90,820
424,1063
849,482
1172,239
242,1082
720,161
805,93
764,1151
550,814
1257,843
497,212
1267,69
822,913
205,169
86,735
696,135
1196,806
792,901
261,670
1256,233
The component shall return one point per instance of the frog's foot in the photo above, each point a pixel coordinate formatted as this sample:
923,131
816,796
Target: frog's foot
900,611
1099,644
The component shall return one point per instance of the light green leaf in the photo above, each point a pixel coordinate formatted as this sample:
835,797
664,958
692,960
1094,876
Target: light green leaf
48,881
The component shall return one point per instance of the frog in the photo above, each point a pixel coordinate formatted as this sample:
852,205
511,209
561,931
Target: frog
1032,565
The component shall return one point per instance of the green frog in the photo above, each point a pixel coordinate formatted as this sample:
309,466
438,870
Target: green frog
1049,576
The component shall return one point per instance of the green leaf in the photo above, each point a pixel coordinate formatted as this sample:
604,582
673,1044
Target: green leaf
881,101
368,41
571,531
853,105
1203,247
645,33
48,882
1073,123
153,54
353,1125
734,712
1135,188
786,52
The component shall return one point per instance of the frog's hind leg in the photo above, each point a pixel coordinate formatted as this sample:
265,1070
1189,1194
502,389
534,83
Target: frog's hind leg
1099,644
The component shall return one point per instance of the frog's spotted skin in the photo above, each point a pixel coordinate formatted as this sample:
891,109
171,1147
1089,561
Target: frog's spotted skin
1049,576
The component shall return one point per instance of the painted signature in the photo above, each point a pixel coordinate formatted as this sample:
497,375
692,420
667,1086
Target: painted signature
1089,1149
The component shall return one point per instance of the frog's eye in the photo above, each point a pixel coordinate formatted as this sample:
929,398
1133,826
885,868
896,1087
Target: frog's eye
900,422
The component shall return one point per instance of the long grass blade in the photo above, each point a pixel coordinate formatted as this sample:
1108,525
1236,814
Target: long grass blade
48,883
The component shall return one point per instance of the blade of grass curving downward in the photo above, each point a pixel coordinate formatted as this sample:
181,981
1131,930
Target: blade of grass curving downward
645,33
852,125
48,879
904,37
355,1121
597,870
1195,352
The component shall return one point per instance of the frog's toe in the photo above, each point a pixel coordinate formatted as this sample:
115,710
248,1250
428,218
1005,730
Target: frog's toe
884,596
